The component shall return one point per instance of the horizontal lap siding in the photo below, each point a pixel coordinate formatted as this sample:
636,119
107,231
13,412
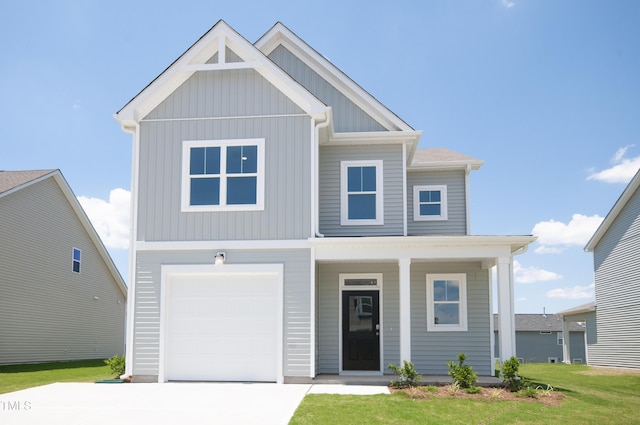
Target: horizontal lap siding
430,351
347,116
456,223
617,276
330,158
297,324
48,312
328,312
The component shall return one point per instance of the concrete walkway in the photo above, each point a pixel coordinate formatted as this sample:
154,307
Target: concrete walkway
173,403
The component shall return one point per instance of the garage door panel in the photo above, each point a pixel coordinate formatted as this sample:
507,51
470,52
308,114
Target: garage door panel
222,328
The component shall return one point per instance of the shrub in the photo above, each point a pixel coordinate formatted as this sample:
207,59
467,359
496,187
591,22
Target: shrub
509,373
407,373
462,374
473,390
116,363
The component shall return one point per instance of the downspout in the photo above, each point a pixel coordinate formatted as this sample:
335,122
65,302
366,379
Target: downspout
315,172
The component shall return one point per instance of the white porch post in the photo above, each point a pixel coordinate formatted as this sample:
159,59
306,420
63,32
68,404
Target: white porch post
405,309
566,341
506,332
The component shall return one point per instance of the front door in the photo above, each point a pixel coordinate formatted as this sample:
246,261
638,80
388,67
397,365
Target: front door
360,330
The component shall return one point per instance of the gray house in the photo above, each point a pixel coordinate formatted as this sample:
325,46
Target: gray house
539,339
613,321
61,296
287,225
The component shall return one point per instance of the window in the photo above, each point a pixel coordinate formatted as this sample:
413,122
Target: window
223,175
429,203
559,337
361,195
447,302
75,262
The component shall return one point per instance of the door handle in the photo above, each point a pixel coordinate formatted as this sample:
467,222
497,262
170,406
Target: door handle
377,326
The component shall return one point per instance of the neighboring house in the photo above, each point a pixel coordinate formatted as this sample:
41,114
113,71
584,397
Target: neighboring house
61,296
613,320
539,339
287,225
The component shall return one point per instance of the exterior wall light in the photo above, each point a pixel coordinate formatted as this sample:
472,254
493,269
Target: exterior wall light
220,257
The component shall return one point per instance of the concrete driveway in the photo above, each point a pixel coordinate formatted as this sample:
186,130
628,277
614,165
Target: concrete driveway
173,403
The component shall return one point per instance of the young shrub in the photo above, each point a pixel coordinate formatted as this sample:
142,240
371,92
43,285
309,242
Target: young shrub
473,390
116,363
462,374
509,373
407,373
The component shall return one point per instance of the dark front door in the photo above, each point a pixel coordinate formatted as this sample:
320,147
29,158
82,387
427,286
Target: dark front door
360,330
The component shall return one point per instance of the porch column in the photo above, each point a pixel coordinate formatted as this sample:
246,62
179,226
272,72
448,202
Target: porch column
507,335
566,341
405,309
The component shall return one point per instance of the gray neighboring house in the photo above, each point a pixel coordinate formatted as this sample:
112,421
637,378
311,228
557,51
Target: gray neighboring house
286,225
613,320
61,296
539,339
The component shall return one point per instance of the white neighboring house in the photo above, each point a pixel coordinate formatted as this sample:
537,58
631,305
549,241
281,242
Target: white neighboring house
286,225
61,296
613,320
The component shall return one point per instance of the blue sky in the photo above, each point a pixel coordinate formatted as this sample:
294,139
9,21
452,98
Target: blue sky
546,92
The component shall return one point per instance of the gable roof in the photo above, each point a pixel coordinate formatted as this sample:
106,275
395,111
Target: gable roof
280,35
13,181
197,58
441,158
539,323
628,192
584,308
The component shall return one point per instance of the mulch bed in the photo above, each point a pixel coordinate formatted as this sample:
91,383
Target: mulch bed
550,398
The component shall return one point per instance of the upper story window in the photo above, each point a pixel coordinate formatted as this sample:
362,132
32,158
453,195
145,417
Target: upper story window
76,258
446,302
429,203
361,195
223,175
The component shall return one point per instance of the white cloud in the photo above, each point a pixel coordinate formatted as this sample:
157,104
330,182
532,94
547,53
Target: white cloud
575,293
110,218
553,235
508,4
622,169
532,274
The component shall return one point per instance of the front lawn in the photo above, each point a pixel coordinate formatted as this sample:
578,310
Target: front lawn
19,377
591,396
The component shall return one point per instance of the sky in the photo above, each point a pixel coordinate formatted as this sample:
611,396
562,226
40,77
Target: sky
546,92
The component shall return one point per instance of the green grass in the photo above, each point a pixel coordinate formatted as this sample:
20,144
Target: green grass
590,399
19,377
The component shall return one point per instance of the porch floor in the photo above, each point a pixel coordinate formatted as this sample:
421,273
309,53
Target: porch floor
483,381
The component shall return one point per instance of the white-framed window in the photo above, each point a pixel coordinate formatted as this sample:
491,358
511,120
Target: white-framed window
76,258
223,175
361,193
429,203
446,302
559,337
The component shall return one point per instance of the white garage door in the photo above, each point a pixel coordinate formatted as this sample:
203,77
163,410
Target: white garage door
222,328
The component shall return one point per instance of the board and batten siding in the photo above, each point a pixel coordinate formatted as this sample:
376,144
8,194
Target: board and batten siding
617,282
297,296
47,312
347,116
430,351
217,106
329,195
328,336
456,223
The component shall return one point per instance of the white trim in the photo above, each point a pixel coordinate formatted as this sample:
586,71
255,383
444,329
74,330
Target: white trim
344,193
443,202
405,219
377,287
404,265
167,271
223,175
462,326
222,245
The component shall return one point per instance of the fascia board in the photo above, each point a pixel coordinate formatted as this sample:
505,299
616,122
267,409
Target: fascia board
91,231
447,165
181,69
631,188
281,35
409,138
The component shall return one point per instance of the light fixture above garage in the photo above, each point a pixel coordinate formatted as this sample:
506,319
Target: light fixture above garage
220,257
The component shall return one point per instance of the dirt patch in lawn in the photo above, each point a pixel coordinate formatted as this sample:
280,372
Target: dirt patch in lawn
548,397
610,371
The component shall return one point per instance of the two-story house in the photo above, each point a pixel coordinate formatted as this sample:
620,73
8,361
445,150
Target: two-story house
285,225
